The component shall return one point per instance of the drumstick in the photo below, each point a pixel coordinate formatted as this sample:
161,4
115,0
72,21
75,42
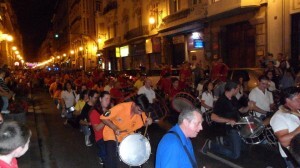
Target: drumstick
241,123
147,126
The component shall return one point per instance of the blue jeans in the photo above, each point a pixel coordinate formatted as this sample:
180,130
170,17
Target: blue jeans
5,103
233,146
101,147
86,129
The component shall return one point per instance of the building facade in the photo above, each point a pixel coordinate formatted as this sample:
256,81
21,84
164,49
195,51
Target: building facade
10,37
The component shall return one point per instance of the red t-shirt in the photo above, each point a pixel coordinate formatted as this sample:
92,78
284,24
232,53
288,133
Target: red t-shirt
13,164
95,119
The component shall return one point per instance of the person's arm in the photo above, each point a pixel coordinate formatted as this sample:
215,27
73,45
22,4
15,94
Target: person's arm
112,126
284,137
205,105
218,119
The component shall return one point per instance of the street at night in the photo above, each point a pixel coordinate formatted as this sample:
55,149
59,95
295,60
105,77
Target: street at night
150,83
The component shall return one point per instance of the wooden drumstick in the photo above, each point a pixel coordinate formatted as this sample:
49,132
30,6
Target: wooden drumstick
147,126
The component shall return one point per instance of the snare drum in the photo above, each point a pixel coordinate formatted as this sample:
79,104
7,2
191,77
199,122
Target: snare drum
270,137
251,130
160,110
134,150
183,100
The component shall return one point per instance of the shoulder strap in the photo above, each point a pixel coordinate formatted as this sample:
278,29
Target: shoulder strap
194,164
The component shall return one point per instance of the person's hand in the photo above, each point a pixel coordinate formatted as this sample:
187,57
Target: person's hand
149,121
1,119
231,122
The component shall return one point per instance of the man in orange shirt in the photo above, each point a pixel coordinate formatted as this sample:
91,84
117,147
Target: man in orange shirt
120,121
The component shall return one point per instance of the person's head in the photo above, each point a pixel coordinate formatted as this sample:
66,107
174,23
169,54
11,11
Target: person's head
263,82
103,102
295,148
141,104
175,82
231,88
2,73
190,121
270,75
59,86
290,98
68,85
83,87
83,95
208,86
93,96
14,138
148,83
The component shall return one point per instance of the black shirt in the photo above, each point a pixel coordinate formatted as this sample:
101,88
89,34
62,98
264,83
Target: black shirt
227,109
85,112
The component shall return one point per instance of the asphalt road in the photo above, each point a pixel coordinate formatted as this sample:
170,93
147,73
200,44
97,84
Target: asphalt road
55,145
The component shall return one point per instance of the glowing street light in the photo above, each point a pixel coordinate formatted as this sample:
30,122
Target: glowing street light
72,52
14,48
80,48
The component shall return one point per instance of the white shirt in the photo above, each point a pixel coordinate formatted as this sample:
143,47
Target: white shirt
208,100
262,100
150,94
69,98
272,86
282,120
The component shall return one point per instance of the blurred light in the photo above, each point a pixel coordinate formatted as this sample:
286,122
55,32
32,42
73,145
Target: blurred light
72,52
80,48
64,54
196,35
17,52
14,48
151,20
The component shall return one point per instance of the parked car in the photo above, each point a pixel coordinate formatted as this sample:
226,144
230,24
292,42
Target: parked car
250,76
154,75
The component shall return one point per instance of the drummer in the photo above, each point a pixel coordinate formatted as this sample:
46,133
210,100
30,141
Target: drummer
120,121
226,113
263,98
286,121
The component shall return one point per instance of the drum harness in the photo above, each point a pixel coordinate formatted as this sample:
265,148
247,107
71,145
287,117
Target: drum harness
194,164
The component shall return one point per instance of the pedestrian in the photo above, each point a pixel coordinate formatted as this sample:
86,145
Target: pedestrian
102,105
14,142
175,150
84,116
7,93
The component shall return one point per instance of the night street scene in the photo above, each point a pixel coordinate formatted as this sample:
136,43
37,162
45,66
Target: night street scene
150,83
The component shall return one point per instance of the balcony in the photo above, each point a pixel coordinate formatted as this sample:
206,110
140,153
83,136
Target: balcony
224,6
110,6
176,16
140,31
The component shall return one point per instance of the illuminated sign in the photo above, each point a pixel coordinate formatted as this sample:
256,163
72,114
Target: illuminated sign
124,51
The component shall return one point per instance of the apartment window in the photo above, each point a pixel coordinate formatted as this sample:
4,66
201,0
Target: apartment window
176,5
98,6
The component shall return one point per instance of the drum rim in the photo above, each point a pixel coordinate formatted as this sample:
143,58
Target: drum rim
148,146
260,126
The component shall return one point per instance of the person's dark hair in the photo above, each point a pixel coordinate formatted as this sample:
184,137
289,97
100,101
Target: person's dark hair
92,93
230,85
59,86
2,70
12,136
205,86
97,105
174,80
65,85
288,93
266,74
295,148
142,101
81,95
262,77
187,113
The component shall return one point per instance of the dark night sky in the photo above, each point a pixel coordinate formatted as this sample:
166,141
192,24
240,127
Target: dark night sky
34,19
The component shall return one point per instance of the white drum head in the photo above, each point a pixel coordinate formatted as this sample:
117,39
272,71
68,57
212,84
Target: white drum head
134,150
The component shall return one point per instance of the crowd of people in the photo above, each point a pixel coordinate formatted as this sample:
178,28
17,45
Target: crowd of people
107,108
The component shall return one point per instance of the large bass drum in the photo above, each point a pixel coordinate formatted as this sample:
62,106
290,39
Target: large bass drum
134,150
183,100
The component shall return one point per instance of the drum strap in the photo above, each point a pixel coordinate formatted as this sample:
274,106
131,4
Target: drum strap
194,164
